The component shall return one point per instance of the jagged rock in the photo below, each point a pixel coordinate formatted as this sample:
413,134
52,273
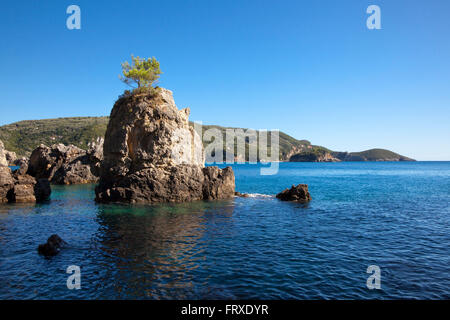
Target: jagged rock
23,168
95,154
22,188
20,162
242,195
297,193
218,183
6,183
52,247
62,164
11,157
151,154
3,160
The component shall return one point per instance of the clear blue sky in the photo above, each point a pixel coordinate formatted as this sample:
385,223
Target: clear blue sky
309,68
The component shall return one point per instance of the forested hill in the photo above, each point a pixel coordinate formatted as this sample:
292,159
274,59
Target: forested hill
24,136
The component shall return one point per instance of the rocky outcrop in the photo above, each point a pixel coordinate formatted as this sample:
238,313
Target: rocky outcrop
297,193
11,157
151,154
3,160
20,162
6,183
52,247
62,164
218,183
241,195
22,188
95,154
313,157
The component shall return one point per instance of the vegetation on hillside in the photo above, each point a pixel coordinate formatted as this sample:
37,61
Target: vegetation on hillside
24,136
376,154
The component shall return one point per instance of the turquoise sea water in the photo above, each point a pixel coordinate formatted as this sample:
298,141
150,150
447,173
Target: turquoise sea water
392,214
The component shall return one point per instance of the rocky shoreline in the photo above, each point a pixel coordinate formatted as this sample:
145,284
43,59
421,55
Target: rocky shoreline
150,154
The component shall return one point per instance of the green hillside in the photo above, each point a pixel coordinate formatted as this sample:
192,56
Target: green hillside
372,155
24,136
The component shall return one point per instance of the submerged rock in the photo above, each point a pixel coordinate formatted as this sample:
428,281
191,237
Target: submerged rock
22,188
62,164
297,193
242,195
52,246
151,154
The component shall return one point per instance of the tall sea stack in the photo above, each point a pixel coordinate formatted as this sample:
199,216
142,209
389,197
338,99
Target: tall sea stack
151,154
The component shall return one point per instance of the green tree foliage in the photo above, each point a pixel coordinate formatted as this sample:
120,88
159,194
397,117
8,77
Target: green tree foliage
142,73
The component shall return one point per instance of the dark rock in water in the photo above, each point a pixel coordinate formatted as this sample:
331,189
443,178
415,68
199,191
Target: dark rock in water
151,154
62,164
42,190
298,193
52,246
22,188
242,195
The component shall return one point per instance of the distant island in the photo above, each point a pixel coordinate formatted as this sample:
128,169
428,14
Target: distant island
24,136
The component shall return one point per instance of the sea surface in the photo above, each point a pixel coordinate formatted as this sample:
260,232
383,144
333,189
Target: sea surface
395,215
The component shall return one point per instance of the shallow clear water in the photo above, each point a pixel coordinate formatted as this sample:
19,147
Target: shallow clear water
394,215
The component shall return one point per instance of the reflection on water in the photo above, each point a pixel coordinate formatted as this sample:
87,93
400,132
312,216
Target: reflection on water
245,248
156,249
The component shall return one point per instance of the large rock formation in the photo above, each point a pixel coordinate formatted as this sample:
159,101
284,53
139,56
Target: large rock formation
151,154
62,164
22,188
